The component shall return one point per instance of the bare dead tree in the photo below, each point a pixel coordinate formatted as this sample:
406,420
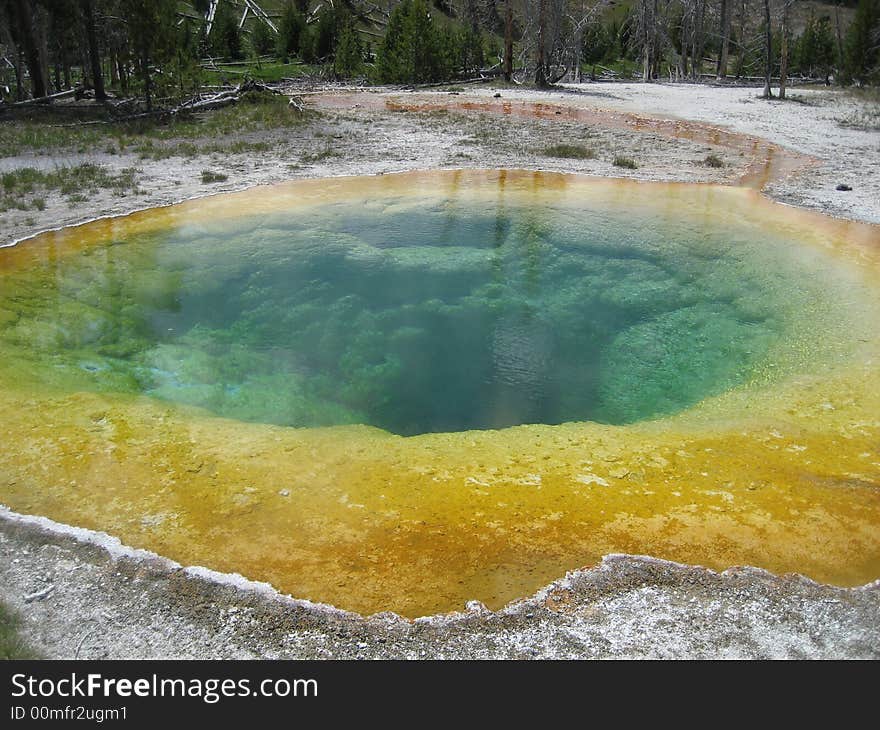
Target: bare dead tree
645,20
94,53
23,28
768,51
698,41
508,41
686,35
724,31
838,33
543,48
580,14
783,51
541,60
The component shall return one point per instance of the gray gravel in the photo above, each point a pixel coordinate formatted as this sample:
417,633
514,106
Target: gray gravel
84,595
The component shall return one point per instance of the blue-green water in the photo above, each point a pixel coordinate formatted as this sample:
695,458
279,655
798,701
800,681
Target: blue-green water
434,316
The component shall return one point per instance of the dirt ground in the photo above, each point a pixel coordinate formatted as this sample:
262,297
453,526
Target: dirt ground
84,595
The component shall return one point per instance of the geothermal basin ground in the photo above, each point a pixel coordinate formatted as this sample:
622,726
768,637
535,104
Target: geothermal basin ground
615,609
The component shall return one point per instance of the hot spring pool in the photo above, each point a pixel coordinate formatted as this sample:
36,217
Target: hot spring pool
408,391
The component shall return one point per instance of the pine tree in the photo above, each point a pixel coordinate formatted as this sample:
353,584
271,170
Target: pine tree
349,60
225,37
423,47
151,32
261,40
413,51
596,43
291,29
327,29
470,51
815,48
863,42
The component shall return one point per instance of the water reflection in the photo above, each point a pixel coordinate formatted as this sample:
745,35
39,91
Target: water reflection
438,301
418,315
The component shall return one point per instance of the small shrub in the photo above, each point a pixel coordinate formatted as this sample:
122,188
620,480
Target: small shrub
209,176
39,203
570,151
713,160
628,162
239,147
324,154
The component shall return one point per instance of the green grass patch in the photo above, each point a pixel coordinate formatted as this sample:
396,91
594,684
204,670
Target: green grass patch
71,181
18,136
209,176
257,111
264,71
12,645
326,153
867,116
570,151
627,162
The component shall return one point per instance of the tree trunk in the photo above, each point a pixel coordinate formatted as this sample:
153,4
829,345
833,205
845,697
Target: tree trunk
655,45
541,70
94,55
85,70
685,42
123,74
646,43
721,70
740,56
144,63
30,48
41,25
783,61
840,59
768,51
19,76
697,55
508,42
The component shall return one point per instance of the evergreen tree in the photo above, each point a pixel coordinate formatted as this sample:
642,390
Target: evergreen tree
863,42
596,43
261,41
291,29
225,36
390,59
815,48
470,51
151,32
412,50
330,22
349,60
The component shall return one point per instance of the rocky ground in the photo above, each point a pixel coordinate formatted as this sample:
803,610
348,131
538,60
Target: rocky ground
84,595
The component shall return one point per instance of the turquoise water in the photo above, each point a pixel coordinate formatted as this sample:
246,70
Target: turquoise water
417,317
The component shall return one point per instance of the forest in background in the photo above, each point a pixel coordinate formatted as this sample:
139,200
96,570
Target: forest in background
166,50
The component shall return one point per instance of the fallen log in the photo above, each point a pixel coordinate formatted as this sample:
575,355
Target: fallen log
44,99
221,99
458,82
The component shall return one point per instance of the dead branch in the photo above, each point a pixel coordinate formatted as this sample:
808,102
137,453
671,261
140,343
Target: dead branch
44,99
39,595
